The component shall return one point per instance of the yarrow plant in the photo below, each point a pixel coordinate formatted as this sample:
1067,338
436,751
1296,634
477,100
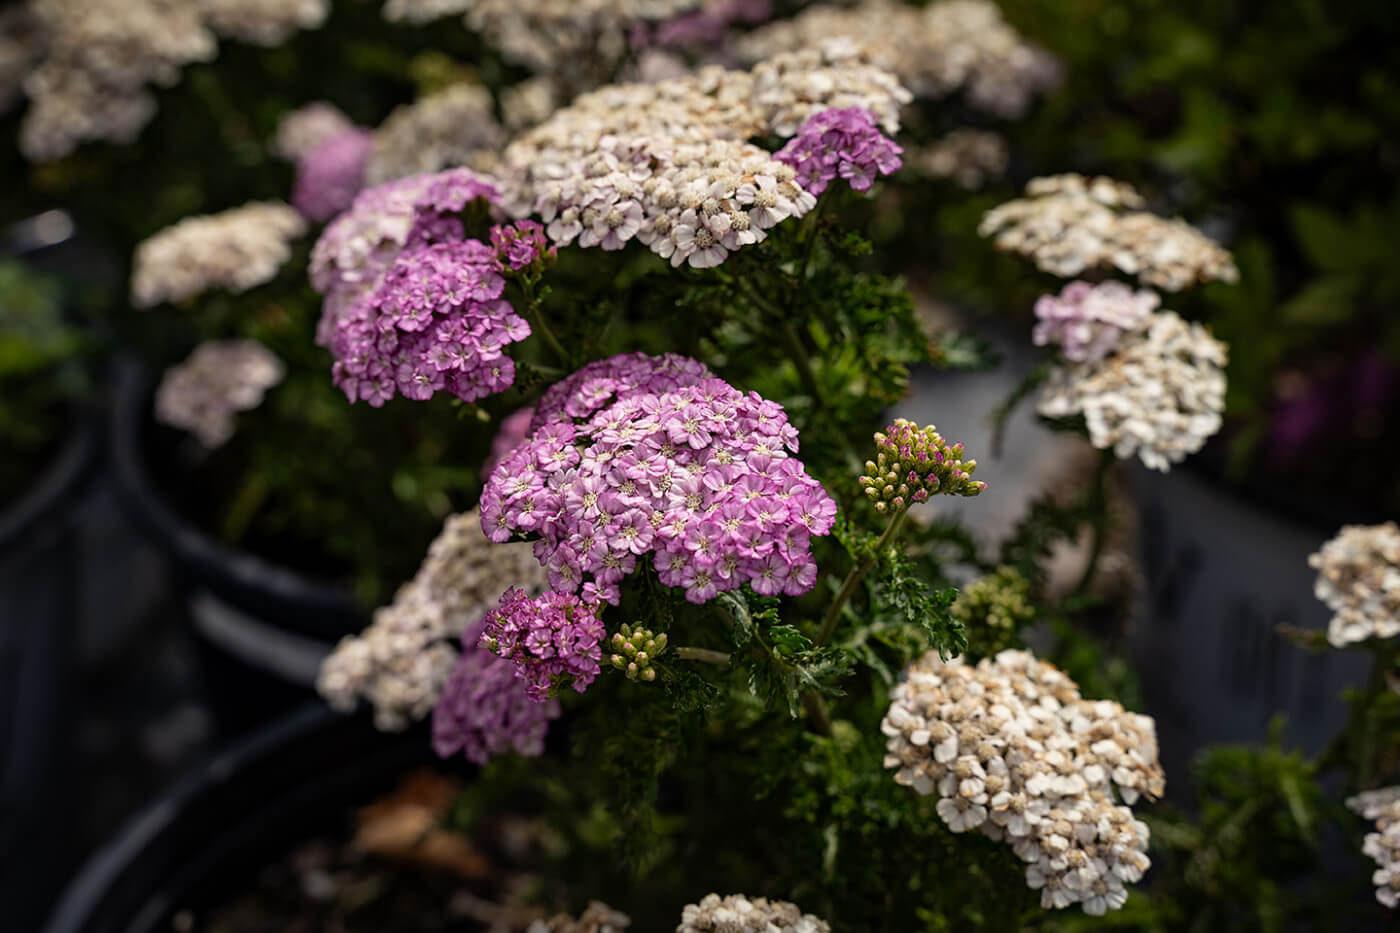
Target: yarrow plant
553,640
841,143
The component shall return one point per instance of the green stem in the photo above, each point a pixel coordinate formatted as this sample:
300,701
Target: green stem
241,511
798,353
532,308
857,574
1098,519
817,713
704,655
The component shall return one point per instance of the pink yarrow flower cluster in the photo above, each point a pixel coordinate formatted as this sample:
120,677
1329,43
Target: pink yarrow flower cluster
844,142
413,307
485,710
522,244
1087,320
553,640
331,174
640,458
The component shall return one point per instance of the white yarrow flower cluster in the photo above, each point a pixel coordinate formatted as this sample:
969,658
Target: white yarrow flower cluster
935,50
666,163
400,663
1383,846
1159,394
218,380
1359,580
1068,223
446,129
301,131
736,913
969,157
235,249
597,918
98,57
1014,751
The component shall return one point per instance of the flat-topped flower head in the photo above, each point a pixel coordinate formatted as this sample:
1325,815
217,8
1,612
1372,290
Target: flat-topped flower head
737,913
552,639
641,458
912,463
1159,394
1358,577
218,380
331,174
413,307
1067,224
485,709
840,143
1383,845
521,245
1087,321
1012,750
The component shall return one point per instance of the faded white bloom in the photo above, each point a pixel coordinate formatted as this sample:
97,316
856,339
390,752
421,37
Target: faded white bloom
236,249
969,157
1068,223
736,913
935,50
1158,395
1383,846
423,11
449,128
301,131
598,918
1359,580
666,163
401,661
21,45
217,381
263,22
1012,750
527,104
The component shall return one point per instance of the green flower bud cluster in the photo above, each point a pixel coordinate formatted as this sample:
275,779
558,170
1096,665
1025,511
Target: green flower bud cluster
636,648
993,608
912,463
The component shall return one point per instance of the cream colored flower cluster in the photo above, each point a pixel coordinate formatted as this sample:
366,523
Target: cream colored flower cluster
1359,580
300,131
935,50
737,913
1068,223
666,163
19,50
218,380
597,918
1159,394
235,249
1383,846
99,56
1014,751
969,157
446,129
401,661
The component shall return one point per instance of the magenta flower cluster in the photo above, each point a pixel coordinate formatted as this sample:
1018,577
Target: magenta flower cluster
330,176
412,306
845,142
641,458
484,709
522,244
553,640
1087,321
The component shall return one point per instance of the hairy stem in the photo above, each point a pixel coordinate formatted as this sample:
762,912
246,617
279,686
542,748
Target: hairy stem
704,655
857,574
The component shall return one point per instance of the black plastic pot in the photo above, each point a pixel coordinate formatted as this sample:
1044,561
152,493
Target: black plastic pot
204,838
266,627
39,574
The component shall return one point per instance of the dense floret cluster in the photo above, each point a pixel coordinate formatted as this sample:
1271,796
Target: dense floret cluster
401,661
912,463
1012,750
1158,395
1383,845
993,607
412,307
969,157
934,49
736,913
1068,223
642,457
217,381
554,640
1358,577
1087,321
236,249
301,130
450,128
596,918
844,143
